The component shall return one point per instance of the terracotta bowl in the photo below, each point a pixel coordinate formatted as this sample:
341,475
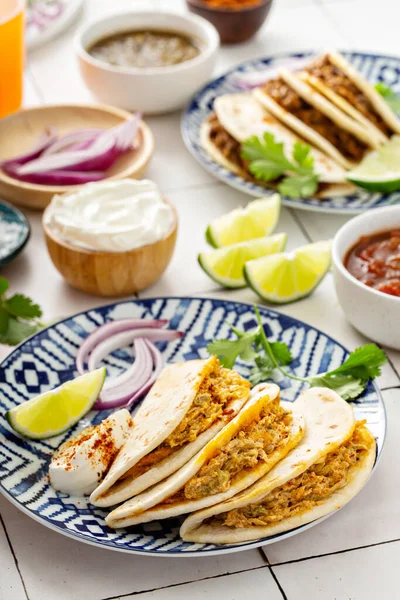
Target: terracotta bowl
111,273
19,132
233,26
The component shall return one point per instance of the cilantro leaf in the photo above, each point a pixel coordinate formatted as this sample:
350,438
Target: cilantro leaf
299,186
229,350
262,369
367,359
301,154
281,352
22,306
4,317
390,97
346,386
17,331
4,285
267,160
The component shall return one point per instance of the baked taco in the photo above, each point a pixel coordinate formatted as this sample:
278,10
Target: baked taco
187,406
316,119
326,470
236,118
333,76
247,448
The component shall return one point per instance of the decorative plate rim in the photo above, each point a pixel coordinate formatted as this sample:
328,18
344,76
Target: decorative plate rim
223,549
237,182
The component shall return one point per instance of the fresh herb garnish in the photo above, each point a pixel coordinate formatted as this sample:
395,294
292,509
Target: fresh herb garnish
19,316
349,380
390,97
267,161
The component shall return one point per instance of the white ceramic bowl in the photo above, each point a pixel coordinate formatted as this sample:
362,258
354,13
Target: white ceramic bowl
373,313
153,90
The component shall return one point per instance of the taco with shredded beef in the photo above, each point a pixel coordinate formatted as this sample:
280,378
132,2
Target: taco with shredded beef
247,448
334,77
316,119
327,469
237,117
187,406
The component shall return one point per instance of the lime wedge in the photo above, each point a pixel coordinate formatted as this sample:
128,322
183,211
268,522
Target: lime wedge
225,265
54,412
258,219
289,276
380,170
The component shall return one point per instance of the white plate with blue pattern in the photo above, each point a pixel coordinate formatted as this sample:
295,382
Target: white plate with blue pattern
47,359
375,67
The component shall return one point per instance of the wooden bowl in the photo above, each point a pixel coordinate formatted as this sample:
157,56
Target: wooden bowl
19,132
233,26
111,273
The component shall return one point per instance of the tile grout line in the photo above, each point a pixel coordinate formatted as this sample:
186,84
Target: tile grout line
300,224
174,585
393,367
390,387
278,584
2,523
29,74
344,551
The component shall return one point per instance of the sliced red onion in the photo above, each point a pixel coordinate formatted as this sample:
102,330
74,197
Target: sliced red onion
108,329
72,140
44,142
120,340
140,375
57,177
158,366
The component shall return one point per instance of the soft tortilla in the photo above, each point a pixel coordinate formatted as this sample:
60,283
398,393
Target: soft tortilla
379,104
242,116
149,505
329,423
161,412
326,107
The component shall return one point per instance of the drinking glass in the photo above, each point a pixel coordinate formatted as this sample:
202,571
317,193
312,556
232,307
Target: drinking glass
11,55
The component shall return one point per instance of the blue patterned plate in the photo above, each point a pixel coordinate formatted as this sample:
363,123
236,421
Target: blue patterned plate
48,359
374,67
14,232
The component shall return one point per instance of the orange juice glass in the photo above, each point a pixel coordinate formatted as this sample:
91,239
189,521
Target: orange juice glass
11,55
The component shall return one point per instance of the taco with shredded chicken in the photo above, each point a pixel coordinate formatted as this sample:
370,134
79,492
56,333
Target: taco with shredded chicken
238,117
327,468
247,448
315,118
187,406
334,77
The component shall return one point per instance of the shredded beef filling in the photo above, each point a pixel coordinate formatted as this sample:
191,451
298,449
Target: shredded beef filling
344,141
220,388
308,489
340,83
225,143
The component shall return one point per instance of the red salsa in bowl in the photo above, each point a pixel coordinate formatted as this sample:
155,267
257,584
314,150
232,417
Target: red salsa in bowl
375,261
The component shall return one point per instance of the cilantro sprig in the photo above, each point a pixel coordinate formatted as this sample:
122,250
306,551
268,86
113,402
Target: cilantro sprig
349,380
19,316
390,97
267,161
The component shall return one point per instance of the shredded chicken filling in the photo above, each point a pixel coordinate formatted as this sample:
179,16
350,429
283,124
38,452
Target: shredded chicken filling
344,141
220,388
342,85
307,490
253,444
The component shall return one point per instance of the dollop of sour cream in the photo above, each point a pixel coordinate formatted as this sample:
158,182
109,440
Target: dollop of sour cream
113,216
78,466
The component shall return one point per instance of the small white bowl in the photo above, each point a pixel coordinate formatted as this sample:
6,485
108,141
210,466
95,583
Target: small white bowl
152,90
373,313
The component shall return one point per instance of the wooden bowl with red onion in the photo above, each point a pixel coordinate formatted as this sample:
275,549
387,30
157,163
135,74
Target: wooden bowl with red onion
50,150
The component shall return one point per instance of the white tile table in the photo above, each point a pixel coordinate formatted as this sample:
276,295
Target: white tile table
355,554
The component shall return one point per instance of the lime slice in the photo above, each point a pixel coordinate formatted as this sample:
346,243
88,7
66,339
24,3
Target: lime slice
225,265
54,412
258,219
380,170
289,276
